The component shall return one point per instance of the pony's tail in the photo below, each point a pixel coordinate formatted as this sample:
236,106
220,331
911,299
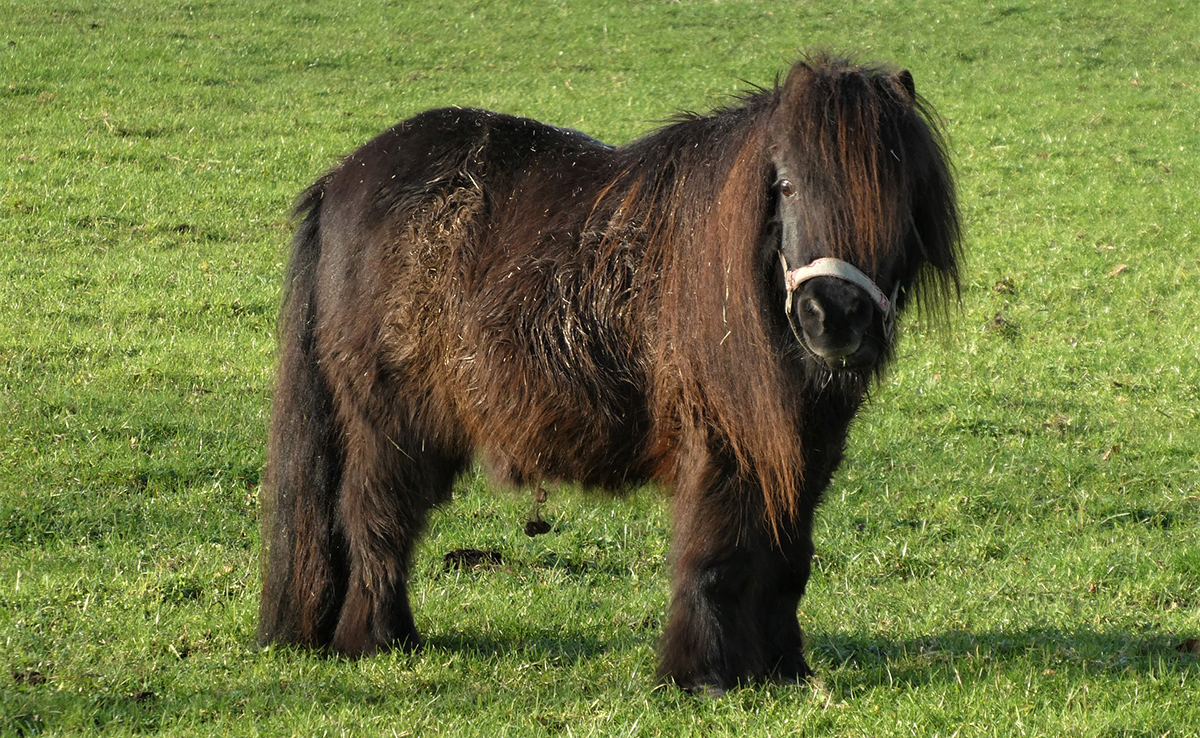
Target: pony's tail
304,560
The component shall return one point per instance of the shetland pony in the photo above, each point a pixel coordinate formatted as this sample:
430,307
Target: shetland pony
704,308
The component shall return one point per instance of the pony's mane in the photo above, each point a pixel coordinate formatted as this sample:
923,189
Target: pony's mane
698,191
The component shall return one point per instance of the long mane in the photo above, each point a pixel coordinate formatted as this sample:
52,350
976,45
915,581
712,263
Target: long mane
727,375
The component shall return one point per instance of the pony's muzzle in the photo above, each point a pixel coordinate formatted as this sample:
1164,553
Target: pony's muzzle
835,317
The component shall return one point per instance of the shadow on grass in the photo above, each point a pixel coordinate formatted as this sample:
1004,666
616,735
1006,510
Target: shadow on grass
48,709
948,656
303,687
558,644
849,664
959,656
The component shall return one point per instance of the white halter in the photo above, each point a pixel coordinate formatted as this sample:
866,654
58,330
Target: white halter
844,270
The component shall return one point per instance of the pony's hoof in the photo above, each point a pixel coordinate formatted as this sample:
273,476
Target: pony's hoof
792,671
704,686
707,691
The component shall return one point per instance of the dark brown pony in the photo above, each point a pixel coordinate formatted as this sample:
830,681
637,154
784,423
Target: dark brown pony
704,307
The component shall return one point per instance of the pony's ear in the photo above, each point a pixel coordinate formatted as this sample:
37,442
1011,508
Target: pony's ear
796,75
905,79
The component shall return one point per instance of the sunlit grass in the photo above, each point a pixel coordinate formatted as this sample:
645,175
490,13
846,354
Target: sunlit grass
1009,549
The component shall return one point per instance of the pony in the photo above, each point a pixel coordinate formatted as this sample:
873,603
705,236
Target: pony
704,308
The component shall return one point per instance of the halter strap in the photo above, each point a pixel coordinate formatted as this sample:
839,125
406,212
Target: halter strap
844,270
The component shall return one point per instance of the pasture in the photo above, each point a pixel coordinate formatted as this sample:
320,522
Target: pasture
1009,549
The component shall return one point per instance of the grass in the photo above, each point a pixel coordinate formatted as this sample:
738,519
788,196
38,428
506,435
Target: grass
1010,548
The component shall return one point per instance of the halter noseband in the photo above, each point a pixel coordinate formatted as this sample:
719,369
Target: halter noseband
844,270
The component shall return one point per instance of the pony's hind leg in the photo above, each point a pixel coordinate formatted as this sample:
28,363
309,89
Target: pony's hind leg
389,484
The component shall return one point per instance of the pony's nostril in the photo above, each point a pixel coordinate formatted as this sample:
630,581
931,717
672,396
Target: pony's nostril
812,316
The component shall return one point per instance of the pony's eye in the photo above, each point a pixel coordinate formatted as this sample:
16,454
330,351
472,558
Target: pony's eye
786,188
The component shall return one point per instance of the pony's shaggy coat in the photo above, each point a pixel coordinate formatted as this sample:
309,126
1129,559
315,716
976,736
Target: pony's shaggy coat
471,285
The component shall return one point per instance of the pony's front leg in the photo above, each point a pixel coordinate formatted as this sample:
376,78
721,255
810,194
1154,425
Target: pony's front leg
736,589
782,578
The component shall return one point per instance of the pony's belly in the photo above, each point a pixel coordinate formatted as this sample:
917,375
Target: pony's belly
570,447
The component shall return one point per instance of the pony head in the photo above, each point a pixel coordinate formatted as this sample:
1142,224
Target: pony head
861,207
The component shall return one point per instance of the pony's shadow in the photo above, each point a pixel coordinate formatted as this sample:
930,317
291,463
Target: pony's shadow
860,661
562,645
853,662
849,663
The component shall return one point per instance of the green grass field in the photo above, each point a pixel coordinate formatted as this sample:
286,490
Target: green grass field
1012,548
